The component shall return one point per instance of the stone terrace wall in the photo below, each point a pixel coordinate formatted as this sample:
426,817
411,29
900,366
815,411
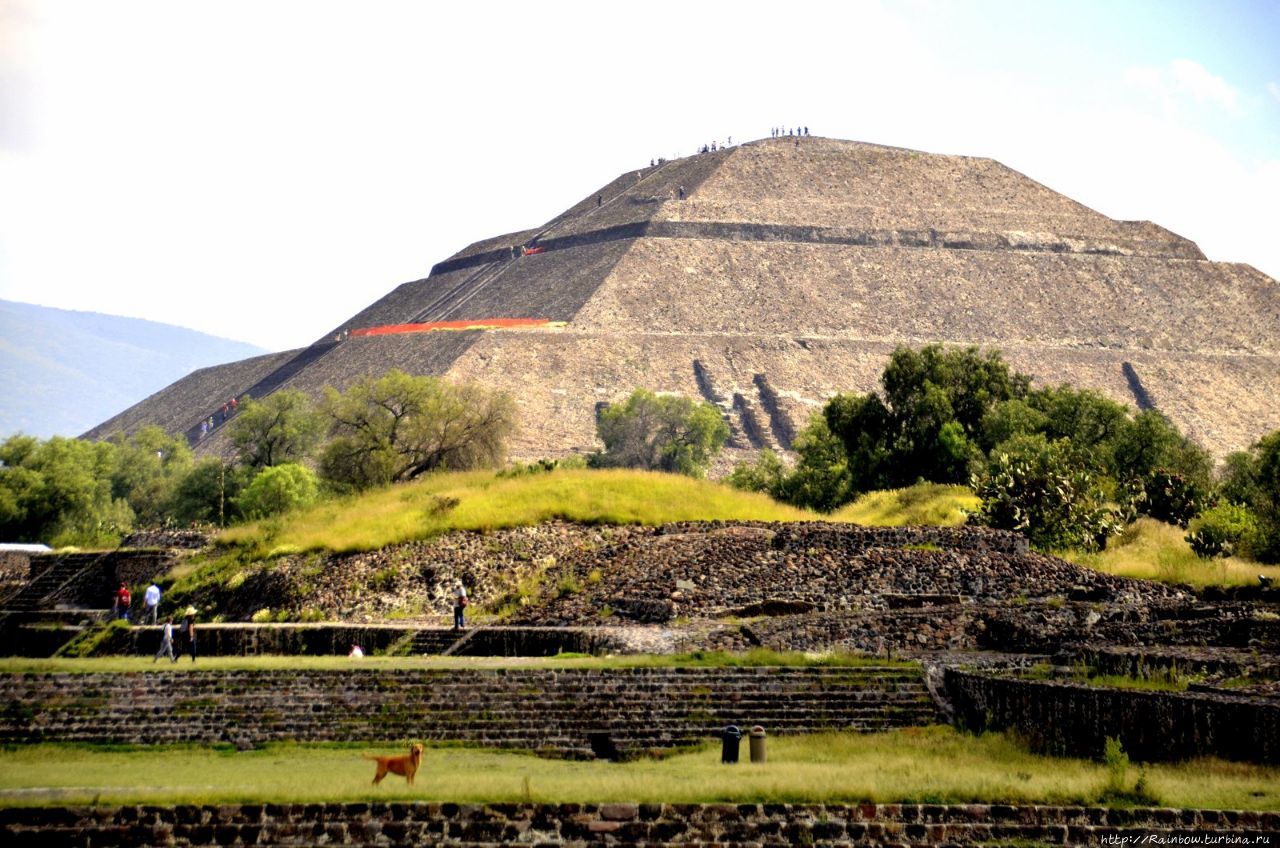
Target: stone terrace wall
849,539
557,712
1074,719
617,824
15,570
338,639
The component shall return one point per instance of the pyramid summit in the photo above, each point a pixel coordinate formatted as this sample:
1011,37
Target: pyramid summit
768,276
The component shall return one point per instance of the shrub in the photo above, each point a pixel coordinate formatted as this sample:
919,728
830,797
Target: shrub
1032,485
278,489
1226,529
1172,497
767,474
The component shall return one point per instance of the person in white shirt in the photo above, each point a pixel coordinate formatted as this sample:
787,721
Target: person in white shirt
459,604
151,604
166,641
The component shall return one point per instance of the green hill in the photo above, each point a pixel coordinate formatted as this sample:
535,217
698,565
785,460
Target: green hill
483,500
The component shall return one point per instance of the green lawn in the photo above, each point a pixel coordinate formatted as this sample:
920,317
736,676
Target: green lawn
936,765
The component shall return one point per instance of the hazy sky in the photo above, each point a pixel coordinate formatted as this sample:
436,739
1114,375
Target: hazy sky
262,170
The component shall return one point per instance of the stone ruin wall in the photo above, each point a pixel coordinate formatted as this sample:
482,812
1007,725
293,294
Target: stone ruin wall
1075,720
626,824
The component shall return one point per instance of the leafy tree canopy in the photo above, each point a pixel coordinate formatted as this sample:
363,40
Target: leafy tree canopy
278,489
59,492
928,423
397,427
284,427
150,465
661,433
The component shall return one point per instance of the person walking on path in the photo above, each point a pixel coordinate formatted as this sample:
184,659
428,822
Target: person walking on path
166,642
189,630
459,605
151,604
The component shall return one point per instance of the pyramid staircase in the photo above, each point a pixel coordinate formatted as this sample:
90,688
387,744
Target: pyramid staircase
268,384
40,592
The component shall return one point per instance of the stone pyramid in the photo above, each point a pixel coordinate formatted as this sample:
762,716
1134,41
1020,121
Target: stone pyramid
768,276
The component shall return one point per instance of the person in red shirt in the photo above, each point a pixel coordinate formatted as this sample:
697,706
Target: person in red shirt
123,601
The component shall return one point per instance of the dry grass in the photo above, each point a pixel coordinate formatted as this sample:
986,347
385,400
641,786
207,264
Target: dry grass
935,764
1152,550
923,503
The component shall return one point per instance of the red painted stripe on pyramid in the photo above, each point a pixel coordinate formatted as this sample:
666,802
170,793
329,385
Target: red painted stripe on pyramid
473,324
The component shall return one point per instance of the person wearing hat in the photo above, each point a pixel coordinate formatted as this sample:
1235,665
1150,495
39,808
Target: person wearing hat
459,604
189,630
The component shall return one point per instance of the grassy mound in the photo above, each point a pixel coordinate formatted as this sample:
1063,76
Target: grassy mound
1152,550
483,500
933,765
923,503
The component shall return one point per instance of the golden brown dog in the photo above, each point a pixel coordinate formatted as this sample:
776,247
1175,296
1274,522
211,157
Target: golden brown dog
405,764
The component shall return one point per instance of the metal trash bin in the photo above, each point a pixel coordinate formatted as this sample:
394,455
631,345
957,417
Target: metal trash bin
730,740
757,744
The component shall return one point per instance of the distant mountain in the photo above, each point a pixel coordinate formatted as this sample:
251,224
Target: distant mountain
62,372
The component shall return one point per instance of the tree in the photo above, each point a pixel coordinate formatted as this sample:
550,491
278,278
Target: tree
398,426
285,427
766,475
150,466
660,433
1174,472
1238,478
210,492
59,492
821,479
1266,504
1252,479
1089,420
1037,488
928,424
278,489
